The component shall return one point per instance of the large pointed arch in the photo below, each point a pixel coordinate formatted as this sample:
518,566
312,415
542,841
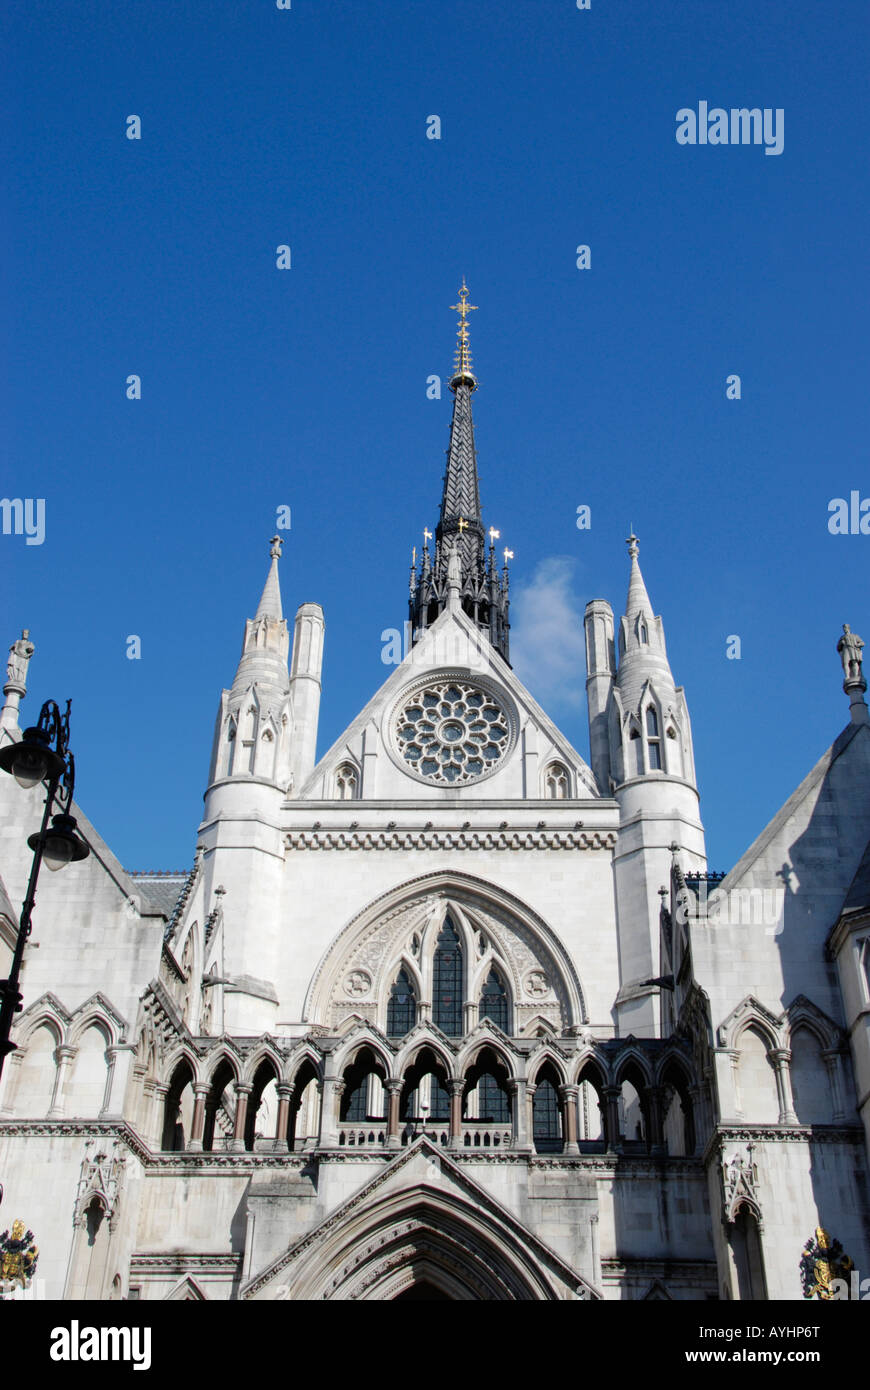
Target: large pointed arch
418,906
421,1217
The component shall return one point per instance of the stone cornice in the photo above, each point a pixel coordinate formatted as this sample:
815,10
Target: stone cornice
461,839
185,1262
779,1134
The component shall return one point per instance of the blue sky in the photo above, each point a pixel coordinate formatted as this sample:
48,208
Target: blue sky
306,387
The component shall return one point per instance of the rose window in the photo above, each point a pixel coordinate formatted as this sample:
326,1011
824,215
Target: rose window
452,732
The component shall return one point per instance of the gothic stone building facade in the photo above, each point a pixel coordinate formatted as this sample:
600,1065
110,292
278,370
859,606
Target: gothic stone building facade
448,1013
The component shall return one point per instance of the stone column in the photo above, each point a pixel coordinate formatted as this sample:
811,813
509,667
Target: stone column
725,1062
200,1091
65,1056
393,1087
655,1118
456,1087
780,1057
333,1089
120,1062
285,1095
694,1118
596,1252
161,1091
569,1096
520,1141
243,1090
834,1064
611,1118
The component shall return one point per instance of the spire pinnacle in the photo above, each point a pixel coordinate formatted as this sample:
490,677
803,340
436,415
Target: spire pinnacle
462,360
270,600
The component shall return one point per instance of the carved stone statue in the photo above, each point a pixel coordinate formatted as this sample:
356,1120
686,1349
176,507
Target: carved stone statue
19,654
850,646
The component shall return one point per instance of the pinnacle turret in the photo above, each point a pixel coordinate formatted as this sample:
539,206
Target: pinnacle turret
483,591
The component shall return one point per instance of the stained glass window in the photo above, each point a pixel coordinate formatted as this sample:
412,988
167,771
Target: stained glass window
402,1008
493,1103
493,1001
546,1114
447,982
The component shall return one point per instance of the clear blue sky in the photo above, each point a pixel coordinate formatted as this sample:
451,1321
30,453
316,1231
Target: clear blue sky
307,387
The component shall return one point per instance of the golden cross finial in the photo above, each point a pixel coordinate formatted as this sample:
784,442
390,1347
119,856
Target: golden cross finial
462,364
508,555
494,535
463,525
427,535
414,557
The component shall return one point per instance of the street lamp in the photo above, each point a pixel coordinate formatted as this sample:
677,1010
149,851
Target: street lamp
42,755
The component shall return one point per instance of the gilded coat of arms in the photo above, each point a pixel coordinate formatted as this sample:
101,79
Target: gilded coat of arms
18,1254
823,1261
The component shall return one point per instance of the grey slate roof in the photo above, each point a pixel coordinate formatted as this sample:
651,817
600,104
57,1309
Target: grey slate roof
162,890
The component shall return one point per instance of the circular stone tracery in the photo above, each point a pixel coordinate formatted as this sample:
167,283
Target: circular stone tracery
452,732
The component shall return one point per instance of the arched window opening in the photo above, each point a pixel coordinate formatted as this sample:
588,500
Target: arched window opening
424,1093
865,954
633,1119
494,1001
546,1113
220,1110
745,1242
811,1089
447,982
402,1007
756,1080
34,1087
363,1096
486,1098
178,1110
262,1112
590,1110
346,783
678,1126
304,1122
557,783
86,1089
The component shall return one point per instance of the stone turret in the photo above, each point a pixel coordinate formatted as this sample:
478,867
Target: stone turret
641,744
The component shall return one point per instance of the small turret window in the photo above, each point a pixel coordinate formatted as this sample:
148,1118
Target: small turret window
642,634
346,783
654,743
557,782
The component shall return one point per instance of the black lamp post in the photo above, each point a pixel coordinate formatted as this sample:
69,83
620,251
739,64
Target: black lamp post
41,756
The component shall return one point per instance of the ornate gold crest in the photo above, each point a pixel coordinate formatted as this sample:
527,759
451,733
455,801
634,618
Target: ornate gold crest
18,1254
823,1261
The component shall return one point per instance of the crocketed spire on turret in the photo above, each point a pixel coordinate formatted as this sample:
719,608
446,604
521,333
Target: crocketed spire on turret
483,589
642,652
270,599
266,646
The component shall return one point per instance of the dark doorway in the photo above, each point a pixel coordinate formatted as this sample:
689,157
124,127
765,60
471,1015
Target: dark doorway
422,1289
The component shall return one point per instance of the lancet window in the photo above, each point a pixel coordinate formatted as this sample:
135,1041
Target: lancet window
447,982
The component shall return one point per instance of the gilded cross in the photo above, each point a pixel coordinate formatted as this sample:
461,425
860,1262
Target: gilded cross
508,555
463,525
463,307
494,535
414,556
427,535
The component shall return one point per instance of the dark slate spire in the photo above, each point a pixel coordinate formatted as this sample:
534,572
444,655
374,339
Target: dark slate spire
484,591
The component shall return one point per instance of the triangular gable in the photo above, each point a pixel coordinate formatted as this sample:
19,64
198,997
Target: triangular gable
420,1169
452,643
